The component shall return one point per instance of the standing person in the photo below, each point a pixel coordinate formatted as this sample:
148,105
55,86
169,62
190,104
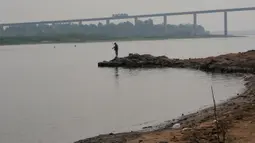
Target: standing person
116,49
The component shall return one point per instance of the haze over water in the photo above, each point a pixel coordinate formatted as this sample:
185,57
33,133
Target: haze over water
59,95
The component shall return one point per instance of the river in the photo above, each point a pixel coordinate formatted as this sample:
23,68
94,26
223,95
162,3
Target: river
59,95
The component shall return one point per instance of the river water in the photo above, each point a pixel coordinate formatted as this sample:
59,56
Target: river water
59,95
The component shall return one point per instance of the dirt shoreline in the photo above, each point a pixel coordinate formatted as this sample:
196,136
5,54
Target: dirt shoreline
237,114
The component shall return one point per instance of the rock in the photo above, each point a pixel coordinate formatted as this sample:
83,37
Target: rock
147,127
186,129
229,63
176,126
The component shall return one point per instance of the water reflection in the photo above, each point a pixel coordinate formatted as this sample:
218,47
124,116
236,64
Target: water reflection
222,76
116,72
116,75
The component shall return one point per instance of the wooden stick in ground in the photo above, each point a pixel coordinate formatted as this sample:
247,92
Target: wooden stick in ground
215,115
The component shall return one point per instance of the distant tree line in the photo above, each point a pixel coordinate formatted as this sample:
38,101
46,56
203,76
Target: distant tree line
126,29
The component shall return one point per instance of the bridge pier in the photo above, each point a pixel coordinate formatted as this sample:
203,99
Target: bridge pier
136,20
107,21
194,24
1,30
80,23
165,23
225,23
53,24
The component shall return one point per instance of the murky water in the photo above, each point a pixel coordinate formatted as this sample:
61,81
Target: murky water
59,95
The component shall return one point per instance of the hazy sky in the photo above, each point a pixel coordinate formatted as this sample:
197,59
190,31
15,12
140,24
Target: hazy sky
38,10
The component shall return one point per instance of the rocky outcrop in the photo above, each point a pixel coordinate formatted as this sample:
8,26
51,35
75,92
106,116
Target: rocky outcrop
229,63
136,60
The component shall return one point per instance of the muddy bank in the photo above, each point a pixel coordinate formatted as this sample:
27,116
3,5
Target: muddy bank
236,115
229,63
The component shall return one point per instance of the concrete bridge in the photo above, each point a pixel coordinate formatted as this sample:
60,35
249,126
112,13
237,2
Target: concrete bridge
136,17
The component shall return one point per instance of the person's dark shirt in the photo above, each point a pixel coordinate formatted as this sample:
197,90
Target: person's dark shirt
116,47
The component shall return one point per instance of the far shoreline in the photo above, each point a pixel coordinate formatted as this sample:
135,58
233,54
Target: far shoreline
154,38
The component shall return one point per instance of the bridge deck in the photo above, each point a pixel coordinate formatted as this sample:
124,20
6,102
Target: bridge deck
135,16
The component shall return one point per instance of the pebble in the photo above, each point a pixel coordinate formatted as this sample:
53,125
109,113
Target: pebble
176,126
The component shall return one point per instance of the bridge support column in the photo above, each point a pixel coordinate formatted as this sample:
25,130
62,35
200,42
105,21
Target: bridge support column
194,24
107,21
165,23
136,20
1,30
80,23
225,23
